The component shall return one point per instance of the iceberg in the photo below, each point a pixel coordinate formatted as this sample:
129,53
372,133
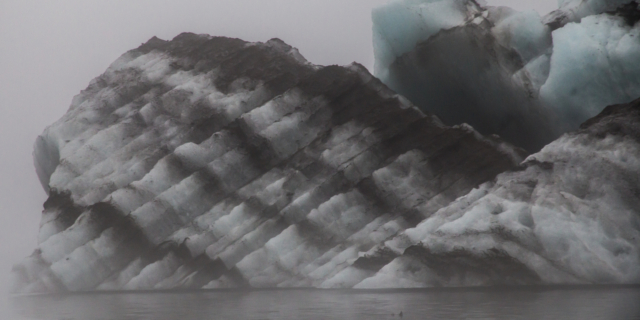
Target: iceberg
209,162
568,216
524,77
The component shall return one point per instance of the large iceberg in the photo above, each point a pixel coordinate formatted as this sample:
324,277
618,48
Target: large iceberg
525,77
207,162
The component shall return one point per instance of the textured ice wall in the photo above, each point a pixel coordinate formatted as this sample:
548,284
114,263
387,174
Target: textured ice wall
525,77
207,162
570,215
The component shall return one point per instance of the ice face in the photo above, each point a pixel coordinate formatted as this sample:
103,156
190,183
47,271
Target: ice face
525,77
212,162
595,62
207,162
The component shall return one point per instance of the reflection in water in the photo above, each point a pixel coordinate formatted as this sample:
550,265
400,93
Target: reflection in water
521,303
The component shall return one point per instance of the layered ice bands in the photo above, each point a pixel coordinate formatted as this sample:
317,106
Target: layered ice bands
571,215
525,77
207,162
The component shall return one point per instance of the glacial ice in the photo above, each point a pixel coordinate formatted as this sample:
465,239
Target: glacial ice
209,162
594,63
178,169
525,77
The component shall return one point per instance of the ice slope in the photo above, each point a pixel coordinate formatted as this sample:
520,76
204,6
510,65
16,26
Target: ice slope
208,162
525,77
571,215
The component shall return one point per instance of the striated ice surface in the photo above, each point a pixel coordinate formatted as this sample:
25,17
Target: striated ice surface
595,62
525,77
208,162
569,215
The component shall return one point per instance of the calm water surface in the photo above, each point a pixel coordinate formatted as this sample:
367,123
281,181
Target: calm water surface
519,303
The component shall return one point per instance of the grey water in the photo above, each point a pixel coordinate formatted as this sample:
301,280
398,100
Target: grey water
606,303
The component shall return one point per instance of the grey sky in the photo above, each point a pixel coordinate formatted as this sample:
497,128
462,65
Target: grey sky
50,50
